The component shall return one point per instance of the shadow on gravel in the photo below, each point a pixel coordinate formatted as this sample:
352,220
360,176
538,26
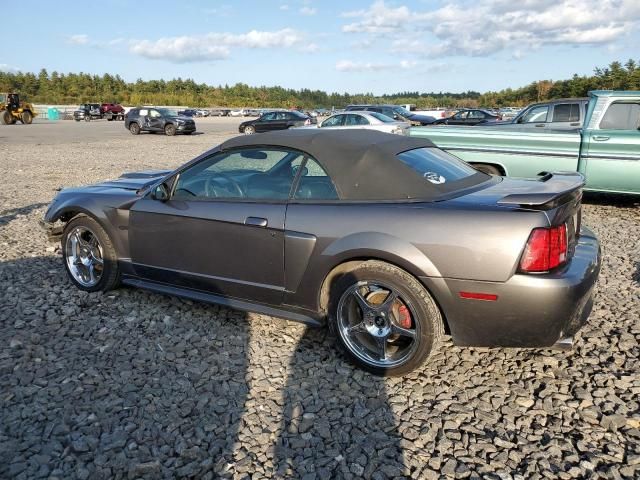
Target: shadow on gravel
7,216
636,275
131,384
126,384
337,420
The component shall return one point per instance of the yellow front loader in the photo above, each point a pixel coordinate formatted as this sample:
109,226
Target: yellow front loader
13,110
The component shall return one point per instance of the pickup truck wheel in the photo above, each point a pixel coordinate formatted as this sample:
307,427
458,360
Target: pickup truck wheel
89,256
134,128
170,130
488,169
87,118
383,318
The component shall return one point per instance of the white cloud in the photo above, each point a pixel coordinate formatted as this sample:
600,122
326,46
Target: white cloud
350,66
4,67
486,27
309,48
284,7
308,11
214,46
78,39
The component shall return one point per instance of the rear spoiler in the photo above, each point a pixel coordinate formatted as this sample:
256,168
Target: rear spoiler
550,190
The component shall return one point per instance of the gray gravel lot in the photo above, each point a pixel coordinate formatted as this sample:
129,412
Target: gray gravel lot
131,384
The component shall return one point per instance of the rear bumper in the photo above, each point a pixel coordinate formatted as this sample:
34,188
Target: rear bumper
530,311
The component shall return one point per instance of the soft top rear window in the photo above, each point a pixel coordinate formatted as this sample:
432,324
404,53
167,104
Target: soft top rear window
437,166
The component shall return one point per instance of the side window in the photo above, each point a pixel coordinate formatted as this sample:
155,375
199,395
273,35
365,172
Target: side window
154,114
144,112
360,120
476,114
566,112
334,121
314,183
536,114
621,116
248,174
461,115
353,120
282,116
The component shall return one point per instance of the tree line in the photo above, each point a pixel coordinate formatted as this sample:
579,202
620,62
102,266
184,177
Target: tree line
74,88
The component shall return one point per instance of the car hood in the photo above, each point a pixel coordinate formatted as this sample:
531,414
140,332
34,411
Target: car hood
128,181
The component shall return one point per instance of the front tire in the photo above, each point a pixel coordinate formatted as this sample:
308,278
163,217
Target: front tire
249,130
134,128
89,256
170,130
383,318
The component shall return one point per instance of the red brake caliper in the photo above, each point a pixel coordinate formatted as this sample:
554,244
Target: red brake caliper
404,317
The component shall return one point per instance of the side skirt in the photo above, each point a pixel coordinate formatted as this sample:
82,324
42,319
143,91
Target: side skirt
200,296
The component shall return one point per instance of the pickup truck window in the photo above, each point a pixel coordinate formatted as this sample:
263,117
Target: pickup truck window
536,114
566,112
621,116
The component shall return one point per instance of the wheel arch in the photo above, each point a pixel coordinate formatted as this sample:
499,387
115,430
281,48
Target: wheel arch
351,263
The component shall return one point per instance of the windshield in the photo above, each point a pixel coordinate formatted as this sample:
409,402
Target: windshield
167,112
402,111
381,117
437,166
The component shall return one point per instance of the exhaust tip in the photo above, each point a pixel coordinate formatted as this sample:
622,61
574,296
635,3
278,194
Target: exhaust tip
565,343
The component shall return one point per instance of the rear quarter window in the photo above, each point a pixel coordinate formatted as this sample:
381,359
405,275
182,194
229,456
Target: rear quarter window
621,116
436,166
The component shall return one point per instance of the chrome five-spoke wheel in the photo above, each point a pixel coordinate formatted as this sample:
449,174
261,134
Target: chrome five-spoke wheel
84,256
377,324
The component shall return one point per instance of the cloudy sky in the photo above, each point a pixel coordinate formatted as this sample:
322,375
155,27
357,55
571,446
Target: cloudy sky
346,46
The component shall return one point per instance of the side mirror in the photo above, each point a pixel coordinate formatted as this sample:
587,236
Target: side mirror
161,193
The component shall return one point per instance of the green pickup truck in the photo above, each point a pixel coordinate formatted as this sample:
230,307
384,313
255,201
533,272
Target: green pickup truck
606,150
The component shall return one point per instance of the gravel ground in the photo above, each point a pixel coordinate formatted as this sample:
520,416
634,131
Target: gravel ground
131,384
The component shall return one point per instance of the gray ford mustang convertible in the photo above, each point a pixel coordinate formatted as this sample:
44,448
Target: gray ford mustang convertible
387,239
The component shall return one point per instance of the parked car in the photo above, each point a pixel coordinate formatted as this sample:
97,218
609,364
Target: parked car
386,238
606,150
274,121
219,112
87,112
394,111
468,116
112,111
237,113
201,112
508,113
369,120
148,119
252,112
562,114
188,112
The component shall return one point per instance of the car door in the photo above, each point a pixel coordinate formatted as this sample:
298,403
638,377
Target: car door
535,117
474,117
155,120
333,122
459,118
612,149
221,229
565,116
262,123
354,121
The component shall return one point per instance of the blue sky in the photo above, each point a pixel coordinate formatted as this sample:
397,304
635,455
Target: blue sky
355,46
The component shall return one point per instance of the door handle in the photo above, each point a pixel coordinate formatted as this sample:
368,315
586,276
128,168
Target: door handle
600,138
256,221
575,124
539,124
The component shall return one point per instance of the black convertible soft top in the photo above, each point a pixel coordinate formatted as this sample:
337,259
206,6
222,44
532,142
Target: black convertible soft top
363,164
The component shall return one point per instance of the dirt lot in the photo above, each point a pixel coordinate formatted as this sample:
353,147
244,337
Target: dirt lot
132,384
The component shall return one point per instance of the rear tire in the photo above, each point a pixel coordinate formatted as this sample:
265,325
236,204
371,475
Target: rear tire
87,118
134,128
249,130
488,169
3,117
27,118
109,272
420,317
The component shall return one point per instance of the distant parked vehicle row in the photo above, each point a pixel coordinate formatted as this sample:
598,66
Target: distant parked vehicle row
146,119
90,111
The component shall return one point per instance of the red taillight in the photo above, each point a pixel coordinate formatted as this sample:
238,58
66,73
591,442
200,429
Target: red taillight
545,249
